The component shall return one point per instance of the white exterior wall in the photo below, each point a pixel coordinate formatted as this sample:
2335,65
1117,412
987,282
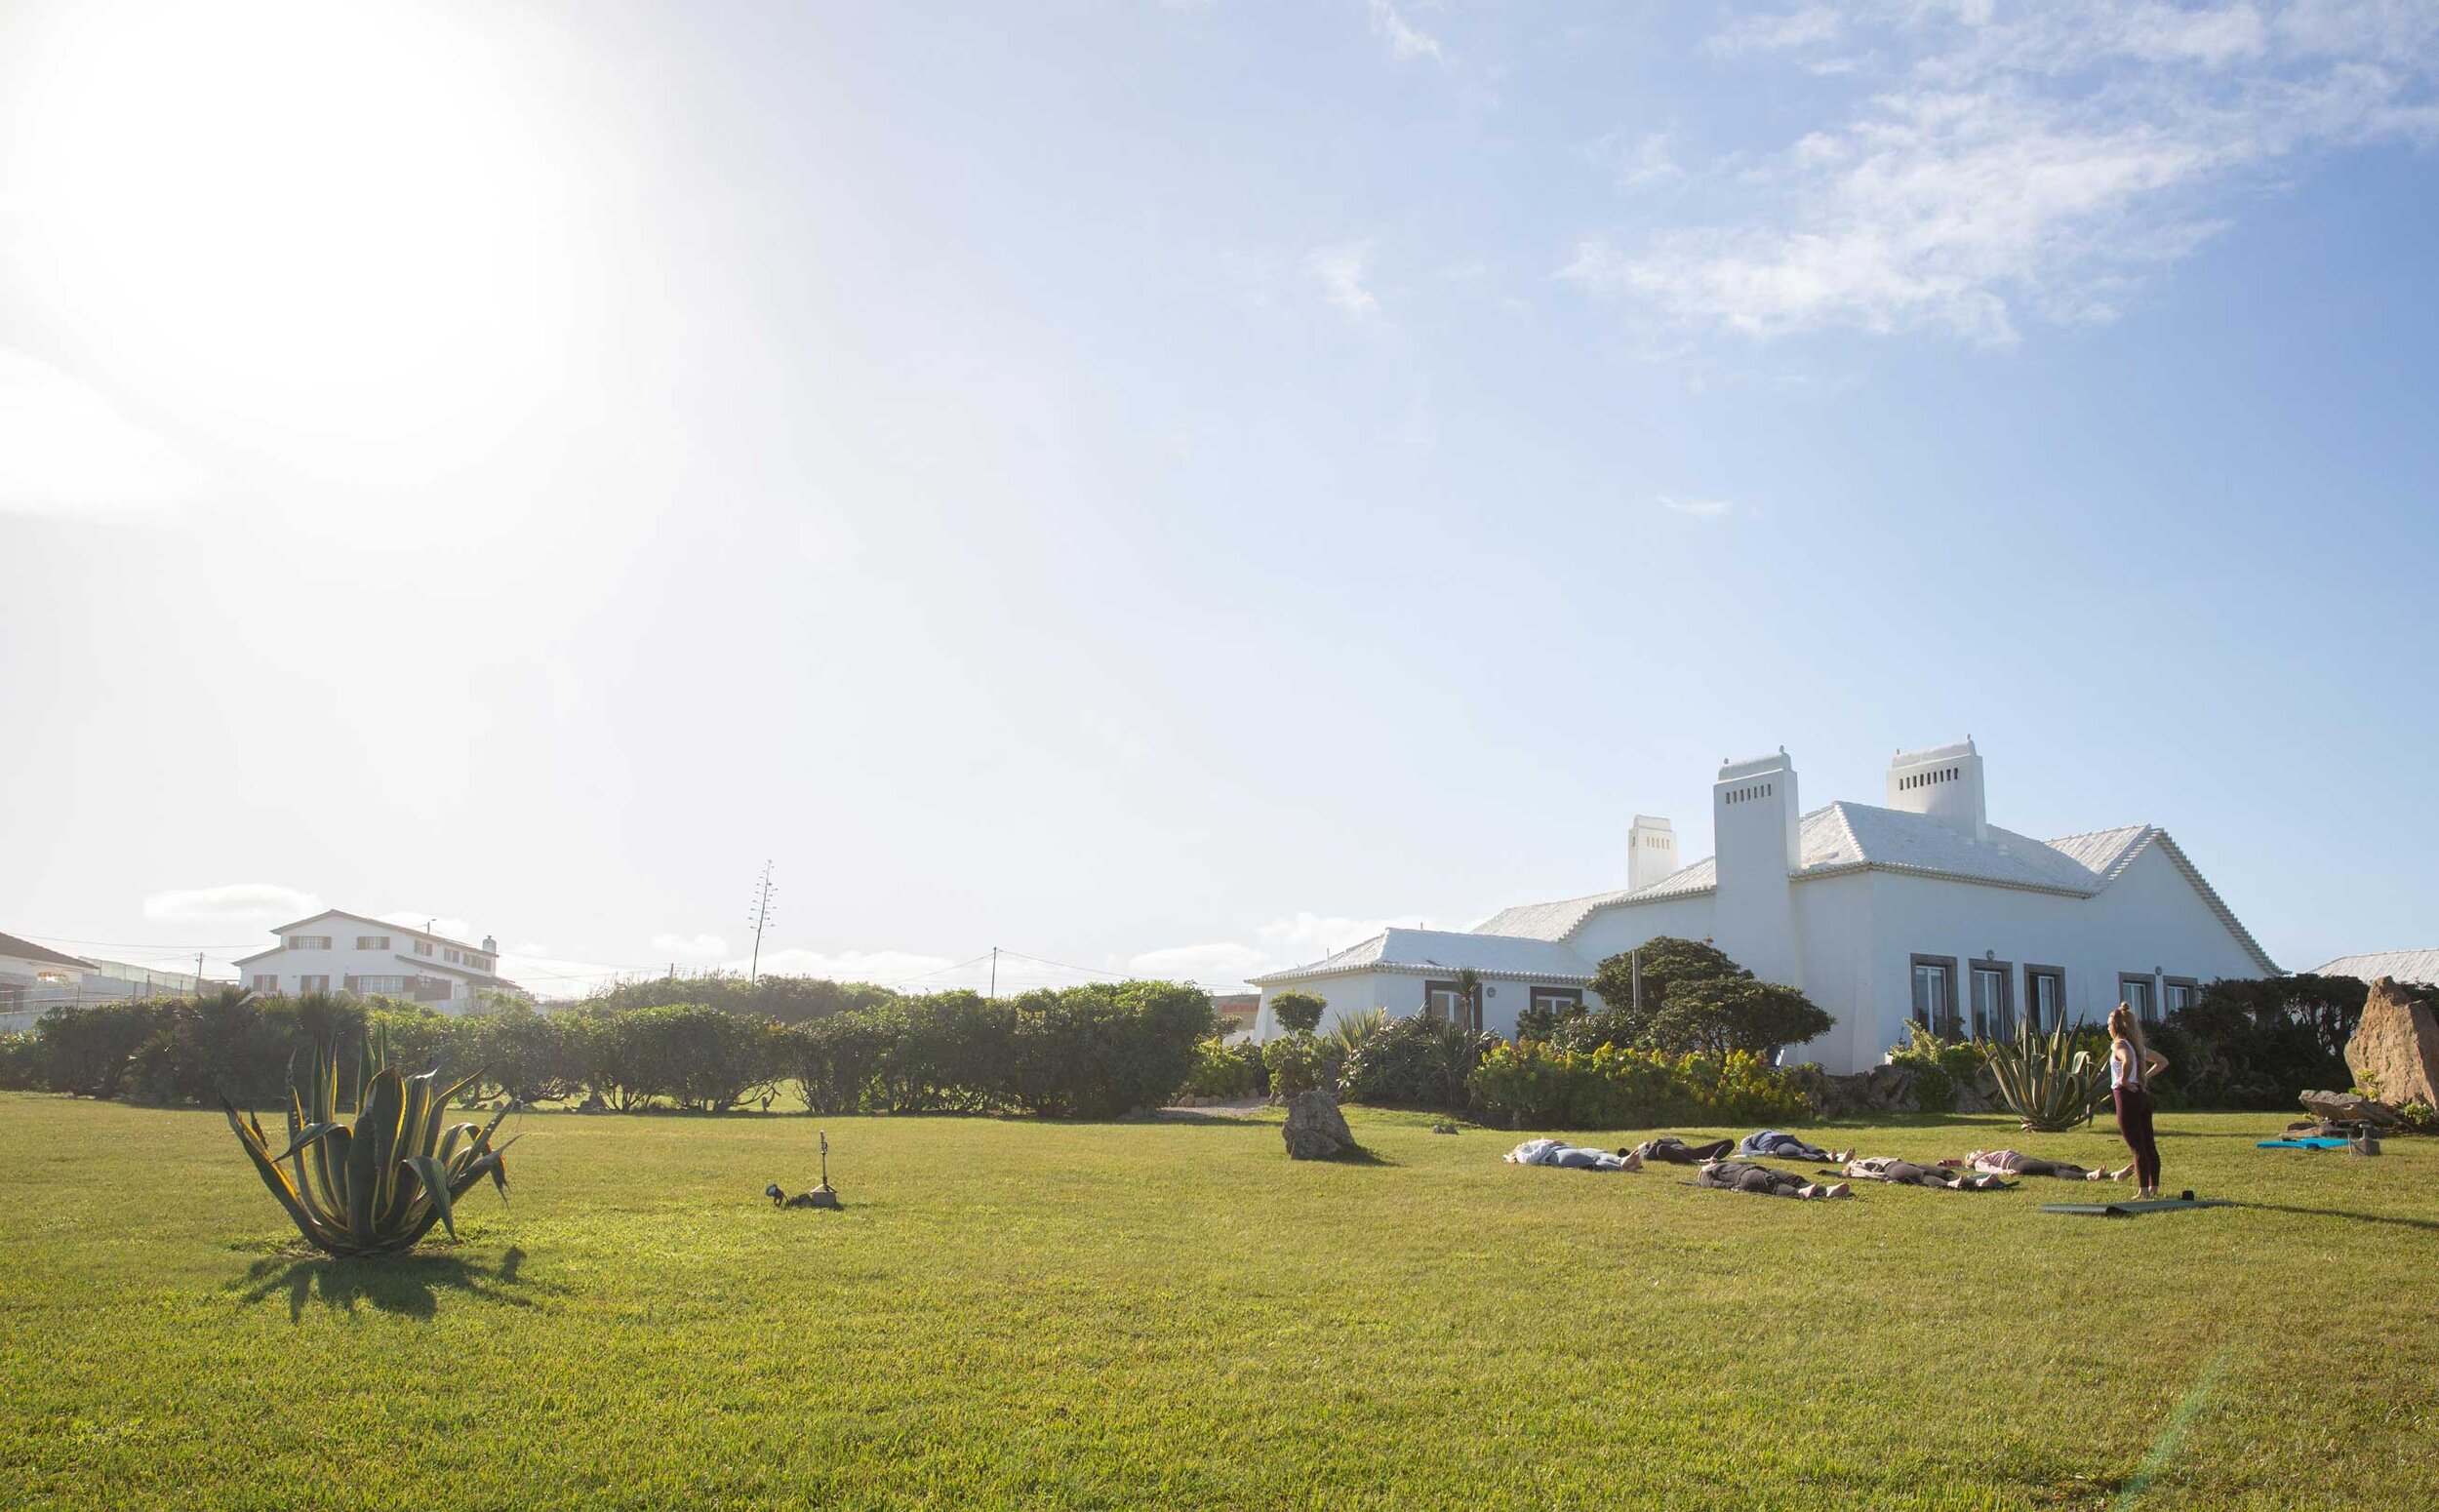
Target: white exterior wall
2150,922
1624,926
1841,970
1400,992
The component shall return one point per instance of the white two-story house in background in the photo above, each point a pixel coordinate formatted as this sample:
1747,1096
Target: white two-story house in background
335,951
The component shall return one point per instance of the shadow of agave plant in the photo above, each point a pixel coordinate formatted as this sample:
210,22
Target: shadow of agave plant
376,1186
405,1284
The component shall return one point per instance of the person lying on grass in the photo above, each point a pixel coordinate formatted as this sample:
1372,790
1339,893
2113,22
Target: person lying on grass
1786,1146
1736,1176
1676,1152
2016,1163
1905,1173
1573,1157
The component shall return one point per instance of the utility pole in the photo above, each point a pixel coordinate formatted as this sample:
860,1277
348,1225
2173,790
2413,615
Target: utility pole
759,919
198,972
1635,961
994,972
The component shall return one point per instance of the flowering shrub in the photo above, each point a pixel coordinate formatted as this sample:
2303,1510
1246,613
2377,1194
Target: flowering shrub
1611,1087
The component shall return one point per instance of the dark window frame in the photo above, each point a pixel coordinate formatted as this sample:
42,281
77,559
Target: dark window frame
2150,992
1913,998
1568,997
2033,999
2187,982
2005,970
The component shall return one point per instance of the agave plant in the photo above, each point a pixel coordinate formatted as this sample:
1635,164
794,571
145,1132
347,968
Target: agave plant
1347,1033
378,1185
2045,1080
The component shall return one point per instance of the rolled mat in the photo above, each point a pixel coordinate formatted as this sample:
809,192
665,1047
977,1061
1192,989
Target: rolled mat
2129,1210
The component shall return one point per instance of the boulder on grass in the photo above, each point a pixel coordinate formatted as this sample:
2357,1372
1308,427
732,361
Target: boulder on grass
2395,1049
1884,1089
1315,1129
2345,1108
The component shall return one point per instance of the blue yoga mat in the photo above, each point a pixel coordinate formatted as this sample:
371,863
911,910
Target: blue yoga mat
2310,1142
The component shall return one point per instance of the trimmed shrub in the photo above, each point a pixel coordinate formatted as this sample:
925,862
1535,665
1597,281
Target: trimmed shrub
1298,1012
1299,1062
1106,1049
1544,1087
1225,1070
20,1062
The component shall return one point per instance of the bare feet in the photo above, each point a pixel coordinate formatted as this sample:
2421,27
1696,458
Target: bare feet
1633,1161
1836,1189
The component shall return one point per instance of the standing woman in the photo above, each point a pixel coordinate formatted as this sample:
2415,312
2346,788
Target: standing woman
2130,1067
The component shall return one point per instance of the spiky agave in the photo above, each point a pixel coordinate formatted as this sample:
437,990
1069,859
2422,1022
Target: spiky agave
376,1186
2045,1080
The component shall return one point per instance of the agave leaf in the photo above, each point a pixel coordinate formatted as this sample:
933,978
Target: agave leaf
435,1183
375,1152
307,1137
250,1138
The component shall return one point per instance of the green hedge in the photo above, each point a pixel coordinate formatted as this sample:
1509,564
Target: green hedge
1535,1086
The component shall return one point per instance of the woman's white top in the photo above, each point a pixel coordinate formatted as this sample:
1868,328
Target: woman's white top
2119,1075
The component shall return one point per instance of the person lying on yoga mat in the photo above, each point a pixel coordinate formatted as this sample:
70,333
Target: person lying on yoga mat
2016,1163
1905,1173
1770,1143
1676,1152
1736,1176
1573,1157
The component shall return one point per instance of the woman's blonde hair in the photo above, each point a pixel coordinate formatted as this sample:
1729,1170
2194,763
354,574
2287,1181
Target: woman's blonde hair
2124,1025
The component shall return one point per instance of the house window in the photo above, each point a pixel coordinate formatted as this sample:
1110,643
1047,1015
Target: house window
2136,992
313,984
1560,1001
1994,1014
384,986
422,947
266,984
2045,997
309,942
1935,995
371,942
2179,992
455,958
1443,1000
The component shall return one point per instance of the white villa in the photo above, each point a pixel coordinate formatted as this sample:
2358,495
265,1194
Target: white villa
335,951
1915,908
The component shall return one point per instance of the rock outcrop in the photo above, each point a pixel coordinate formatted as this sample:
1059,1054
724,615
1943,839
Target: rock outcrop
1315,1129
1884,1089
2394,1054
2345,1108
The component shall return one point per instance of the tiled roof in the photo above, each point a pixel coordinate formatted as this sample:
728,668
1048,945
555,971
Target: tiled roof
2413,966
1445,950
1844,837
27,950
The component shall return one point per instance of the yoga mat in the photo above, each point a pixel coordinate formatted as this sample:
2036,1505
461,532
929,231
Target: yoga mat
2129,1210
2312,1142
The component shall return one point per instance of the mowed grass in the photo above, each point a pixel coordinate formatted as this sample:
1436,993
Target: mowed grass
1124,1315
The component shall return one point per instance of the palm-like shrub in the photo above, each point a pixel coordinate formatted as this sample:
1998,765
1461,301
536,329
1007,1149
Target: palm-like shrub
2047,1080
376,1186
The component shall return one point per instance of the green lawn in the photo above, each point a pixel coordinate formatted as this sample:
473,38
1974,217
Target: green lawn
1133,1315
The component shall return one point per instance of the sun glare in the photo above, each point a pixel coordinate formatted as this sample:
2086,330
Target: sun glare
328,219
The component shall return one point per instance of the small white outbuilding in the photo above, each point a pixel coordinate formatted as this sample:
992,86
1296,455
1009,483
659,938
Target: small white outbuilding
1914,908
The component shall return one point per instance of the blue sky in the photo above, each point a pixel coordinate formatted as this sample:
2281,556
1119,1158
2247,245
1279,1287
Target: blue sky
1169,487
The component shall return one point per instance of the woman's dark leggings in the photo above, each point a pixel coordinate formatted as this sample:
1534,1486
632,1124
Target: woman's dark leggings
2134,1121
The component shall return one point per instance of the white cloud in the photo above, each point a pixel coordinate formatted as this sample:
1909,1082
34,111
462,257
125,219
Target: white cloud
1801,27
1404,42
232,900
1342,271
1701,508
1646,159
447,926
2044,164
1292,941
689,948
65,450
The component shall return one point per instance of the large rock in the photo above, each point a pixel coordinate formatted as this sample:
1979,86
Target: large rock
2394,1054
1884,1089
1315,1129
2345,1108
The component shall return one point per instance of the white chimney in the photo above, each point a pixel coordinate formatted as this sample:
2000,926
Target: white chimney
1944,783
1754,824
1651,851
